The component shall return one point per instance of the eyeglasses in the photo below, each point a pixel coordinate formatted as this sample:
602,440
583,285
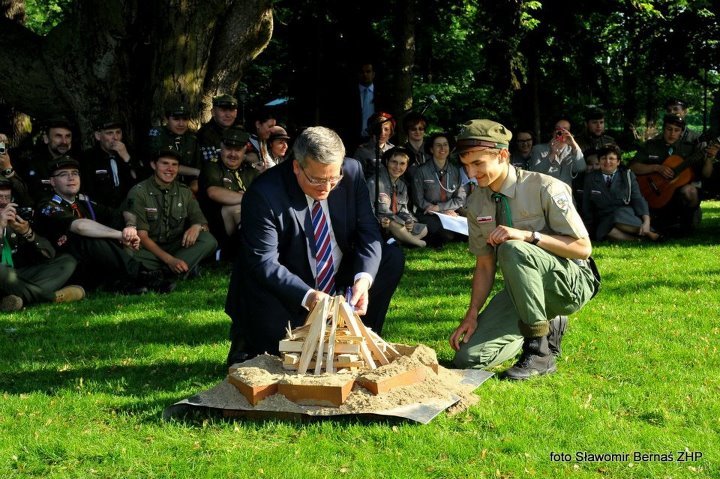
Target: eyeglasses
334,180
67,174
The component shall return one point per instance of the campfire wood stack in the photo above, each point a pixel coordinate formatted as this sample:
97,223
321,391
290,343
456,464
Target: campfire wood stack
334,338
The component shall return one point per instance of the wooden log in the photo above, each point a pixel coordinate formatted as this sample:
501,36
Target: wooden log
379,385
317,394
349,317
336,365
372,345
317,321
390,352
288,346
321,337
329,361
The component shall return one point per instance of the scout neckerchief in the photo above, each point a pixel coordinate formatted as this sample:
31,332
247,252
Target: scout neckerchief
503,216
6,251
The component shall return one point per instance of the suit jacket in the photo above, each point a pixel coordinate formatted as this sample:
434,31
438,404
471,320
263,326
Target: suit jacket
273,272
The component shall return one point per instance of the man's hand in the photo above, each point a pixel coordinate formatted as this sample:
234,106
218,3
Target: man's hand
504,233
120,148
665,171
177,265
314,298
191,235
385,222
360,297
450,212
130,237
432,208
5,157
463,332
7,214
409,225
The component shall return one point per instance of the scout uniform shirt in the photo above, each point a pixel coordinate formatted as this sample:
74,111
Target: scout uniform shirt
216,173
537,203
187,145
165,213
656,151
393,198
57,214
209,137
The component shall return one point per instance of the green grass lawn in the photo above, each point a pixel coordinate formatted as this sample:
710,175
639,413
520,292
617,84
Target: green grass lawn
84,384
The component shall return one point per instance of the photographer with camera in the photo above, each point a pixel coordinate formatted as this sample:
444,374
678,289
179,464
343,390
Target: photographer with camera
8,173
561,157
29,270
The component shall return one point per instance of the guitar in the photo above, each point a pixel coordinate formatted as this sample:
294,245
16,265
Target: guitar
658,190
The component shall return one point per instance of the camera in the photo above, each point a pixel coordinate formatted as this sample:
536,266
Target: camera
25,212
3,148
559,134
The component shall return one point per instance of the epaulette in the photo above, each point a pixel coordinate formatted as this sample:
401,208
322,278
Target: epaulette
56,199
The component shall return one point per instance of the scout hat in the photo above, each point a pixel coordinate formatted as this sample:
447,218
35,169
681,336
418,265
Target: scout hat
62,162
167,153
235,136
177,110
675,101
107,123
58,122
225,101
484,133
5,183
278,133
674,119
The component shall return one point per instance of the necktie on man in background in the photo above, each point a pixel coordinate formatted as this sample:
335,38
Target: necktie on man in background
6,252
76,211
608,181
324,264
443,186
503,215
114,168
236,173
394,203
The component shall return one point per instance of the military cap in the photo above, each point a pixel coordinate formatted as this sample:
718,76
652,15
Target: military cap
107,124
167,153
278,133
675,101
235,136
177,110
674,119
62,162
58,122
226,101
594,114
5,183
484,133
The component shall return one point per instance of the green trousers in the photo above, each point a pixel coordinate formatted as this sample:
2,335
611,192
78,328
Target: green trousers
538,286
203,247
37,283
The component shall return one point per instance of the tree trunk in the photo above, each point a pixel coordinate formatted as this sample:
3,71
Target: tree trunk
402,94
128,58
16,125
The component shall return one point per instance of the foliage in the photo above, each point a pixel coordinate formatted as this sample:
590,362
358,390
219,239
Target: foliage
43,15
85,383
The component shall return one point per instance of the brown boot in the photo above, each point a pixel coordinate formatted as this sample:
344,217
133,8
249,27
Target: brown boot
11,303
69,294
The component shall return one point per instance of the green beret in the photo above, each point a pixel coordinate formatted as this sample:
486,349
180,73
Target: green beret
62,162
225,101
235,136
484,133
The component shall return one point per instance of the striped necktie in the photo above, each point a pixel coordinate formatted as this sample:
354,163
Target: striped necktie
324,267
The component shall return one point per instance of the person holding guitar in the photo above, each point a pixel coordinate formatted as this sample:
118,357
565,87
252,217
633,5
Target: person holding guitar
668,170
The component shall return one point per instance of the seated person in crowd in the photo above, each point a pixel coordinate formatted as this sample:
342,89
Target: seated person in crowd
561,157
523,144
613,206
173,232
415,124
7,172
32,166
29,270
176,135
92,234
437,188
222,186
525,225
675,106
381,127
224,113
108,170
259,154
593,138
672,191
308,231
392,199
278,143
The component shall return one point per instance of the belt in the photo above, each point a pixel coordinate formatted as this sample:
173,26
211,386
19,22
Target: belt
580,262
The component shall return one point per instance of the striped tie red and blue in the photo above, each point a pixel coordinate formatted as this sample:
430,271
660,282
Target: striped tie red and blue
325,269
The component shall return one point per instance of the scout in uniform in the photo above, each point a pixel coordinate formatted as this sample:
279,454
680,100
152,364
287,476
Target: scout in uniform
92,234
222,186
175,135
173,231
224,114
524,224
29,270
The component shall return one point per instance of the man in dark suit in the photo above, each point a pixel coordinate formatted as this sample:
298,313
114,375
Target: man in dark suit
280,275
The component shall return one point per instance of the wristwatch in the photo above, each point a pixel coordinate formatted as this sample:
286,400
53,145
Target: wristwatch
7,172
535,237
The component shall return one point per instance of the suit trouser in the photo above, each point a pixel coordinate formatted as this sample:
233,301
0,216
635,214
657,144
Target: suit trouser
538,286
37,283
255,335
203,247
